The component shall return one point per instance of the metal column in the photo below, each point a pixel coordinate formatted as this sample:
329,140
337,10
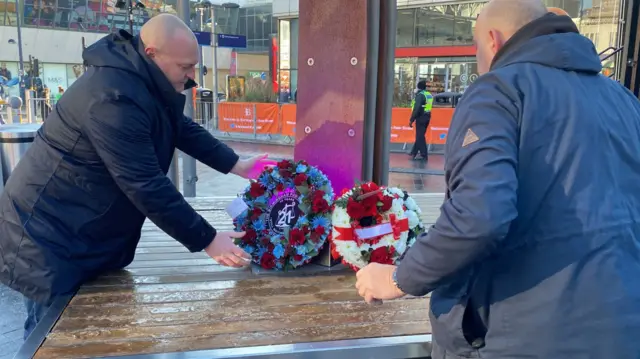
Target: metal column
387,44
188,163
20,13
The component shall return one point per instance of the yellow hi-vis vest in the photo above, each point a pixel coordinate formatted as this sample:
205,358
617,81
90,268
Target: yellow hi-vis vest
428,104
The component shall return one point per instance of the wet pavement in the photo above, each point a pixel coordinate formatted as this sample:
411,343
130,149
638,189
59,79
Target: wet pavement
416,177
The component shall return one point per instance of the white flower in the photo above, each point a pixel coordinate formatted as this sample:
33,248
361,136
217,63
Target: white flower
396,190
411,204
414,220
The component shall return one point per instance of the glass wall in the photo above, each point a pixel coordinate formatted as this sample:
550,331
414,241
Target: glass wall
437,25
288,60
255,22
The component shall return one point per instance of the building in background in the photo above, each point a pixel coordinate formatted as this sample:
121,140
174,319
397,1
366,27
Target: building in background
434,40
53,31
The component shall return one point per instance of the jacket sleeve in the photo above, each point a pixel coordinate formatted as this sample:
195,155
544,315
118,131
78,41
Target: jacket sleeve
120,134
482,198
418,109
198,143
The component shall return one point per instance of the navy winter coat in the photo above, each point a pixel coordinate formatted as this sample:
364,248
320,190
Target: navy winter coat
75,204
536,253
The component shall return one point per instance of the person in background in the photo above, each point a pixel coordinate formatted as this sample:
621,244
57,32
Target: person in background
421,116
74,206
4,72
58,94
536,253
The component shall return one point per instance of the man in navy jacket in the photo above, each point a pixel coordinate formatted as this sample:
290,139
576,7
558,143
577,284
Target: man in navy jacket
74,206
536,253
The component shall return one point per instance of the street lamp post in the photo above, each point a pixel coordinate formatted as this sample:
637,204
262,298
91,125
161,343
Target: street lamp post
20,58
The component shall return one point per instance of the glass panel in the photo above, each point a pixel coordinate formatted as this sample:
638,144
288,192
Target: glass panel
404,82
10,69
465,22
406,28
54,75
73,73
435,25
8,14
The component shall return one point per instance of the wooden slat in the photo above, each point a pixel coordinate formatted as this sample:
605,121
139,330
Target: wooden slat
170,300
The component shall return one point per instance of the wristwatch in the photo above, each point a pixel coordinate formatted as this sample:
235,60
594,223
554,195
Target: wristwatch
394,278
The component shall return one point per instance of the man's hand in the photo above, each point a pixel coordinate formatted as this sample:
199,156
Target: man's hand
252,167
411,124
375,282
225,252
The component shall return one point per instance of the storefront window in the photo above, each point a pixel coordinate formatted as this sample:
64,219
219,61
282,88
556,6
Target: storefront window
54,75
404,81
448,74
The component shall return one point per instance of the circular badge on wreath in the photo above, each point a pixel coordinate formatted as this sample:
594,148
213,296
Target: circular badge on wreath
288,216
373,224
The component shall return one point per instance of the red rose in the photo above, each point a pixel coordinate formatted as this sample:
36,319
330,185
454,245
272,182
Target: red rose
280,187
370,206
256,190
355,209
300,179
268,261
369,187
285,173
381,255
250,235
344,191
284,164
387,201
319,230
297,258
319,205
296,237
255,213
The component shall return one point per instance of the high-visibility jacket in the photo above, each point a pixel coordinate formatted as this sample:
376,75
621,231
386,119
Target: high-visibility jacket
428,103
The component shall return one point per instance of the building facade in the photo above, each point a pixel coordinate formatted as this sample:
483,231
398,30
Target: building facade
434,40
53,31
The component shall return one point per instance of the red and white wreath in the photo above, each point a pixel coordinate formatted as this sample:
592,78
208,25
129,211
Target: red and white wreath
370,224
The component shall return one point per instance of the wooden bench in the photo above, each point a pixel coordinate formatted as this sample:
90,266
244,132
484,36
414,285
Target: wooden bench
170,303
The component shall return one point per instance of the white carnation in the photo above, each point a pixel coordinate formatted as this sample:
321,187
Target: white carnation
414,220
411,204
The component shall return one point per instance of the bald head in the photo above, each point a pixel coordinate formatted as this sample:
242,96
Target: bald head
172,46
498,21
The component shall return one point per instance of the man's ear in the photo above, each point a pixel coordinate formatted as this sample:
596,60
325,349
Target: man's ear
150,51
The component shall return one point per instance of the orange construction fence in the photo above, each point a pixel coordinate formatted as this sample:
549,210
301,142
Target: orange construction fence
274,119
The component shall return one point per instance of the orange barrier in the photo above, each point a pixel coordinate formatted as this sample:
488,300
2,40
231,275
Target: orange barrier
288,120
275,119
240,117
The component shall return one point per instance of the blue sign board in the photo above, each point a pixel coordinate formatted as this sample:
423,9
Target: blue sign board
204,38
237,41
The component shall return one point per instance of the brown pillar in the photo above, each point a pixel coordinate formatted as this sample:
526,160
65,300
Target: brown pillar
332,86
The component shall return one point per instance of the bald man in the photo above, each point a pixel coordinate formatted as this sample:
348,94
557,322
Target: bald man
536,253
74,206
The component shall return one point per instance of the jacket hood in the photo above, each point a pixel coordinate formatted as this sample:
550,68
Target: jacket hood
124,51
552,41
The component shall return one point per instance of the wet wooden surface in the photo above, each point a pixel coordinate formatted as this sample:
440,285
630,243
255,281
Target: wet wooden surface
170,300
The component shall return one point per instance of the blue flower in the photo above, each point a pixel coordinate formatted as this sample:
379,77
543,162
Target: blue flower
278,251
249,249
328,197
303,220
301,168
276,174
261,200
261,251
279,265
320,221
301,250
264,180
300,198
276,239
258,225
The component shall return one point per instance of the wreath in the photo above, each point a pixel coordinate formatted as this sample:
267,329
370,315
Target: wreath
288,215
373,224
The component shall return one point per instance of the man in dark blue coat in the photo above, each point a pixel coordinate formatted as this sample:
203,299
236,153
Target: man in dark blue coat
74,206
536,253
